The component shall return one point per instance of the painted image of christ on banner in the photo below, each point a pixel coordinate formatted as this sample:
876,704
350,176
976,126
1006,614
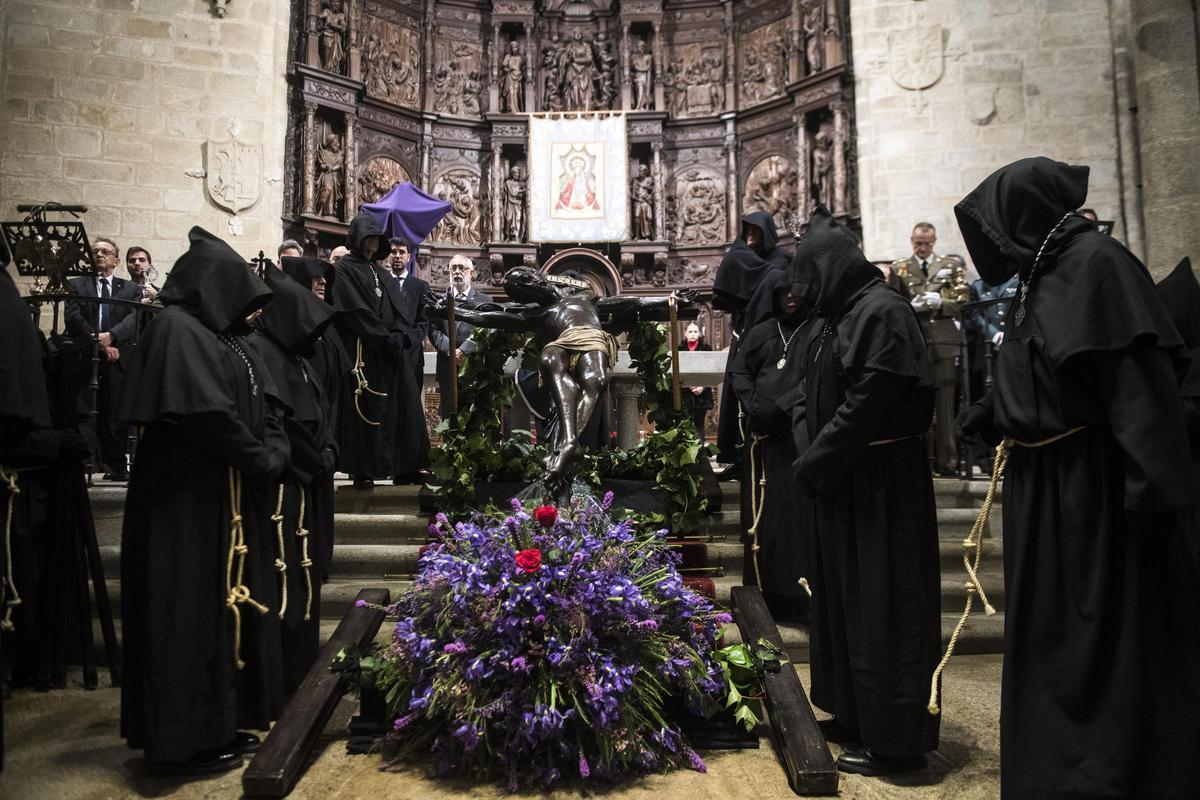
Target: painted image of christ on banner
579,194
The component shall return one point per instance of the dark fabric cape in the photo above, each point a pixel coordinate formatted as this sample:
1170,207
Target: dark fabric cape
364,322
736,290
331,367
1100,652
768,394
875,618
202,415
287,331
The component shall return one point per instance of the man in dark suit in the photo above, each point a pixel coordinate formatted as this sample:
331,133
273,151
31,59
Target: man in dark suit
462,276
406,293
117,328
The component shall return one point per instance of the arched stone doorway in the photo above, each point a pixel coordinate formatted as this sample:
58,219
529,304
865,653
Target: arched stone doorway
591,265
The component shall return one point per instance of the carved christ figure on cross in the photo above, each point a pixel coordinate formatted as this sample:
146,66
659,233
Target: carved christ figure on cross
577,350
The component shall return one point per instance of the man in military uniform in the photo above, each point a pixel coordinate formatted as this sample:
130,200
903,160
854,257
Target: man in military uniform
985,331
929,279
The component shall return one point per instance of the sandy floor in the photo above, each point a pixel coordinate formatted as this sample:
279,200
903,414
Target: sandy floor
64,746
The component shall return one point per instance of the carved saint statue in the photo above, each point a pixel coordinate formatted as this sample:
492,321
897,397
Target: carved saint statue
577,65
329,176
814,42
822,167
606,54
512,79
512,214
332,27
374,64
642,64
551,100
641,194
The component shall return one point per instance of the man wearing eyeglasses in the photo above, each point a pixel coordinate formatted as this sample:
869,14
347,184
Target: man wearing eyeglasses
116,326
462,273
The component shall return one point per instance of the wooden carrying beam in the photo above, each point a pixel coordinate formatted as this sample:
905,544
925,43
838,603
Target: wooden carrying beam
806,757
280,760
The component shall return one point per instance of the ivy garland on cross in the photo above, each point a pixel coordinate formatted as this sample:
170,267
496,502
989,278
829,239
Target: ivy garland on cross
476,450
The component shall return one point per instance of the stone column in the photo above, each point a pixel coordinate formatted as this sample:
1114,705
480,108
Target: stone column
803,192
310,158
350,168
494,85
839,156
531,63
660,97
626,77
1168,100
796,29
426,155
353,51
660,233
497,181
629,412
730,57
731,188
430,29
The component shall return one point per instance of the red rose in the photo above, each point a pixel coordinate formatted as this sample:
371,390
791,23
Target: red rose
545,515
530,560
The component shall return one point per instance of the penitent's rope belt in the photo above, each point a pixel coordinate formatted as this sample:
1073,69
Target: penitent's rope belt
758,501
305,561
360,378
9,590
281,559
973,552
236,590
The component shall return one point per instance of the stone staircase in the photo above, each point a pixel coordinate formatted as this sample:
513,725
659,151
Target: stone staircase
379,534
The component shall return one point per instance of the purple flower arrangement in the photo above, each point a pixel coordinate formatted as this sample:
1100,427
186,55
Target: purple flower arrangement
532,647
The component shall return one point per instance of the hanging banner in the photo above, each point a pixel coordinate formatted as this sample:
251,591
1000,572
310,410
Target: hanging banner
578,185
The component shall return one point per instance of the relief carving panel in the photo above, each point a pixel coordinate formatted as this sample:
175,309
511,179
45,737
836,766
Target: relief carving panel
763,62
771,187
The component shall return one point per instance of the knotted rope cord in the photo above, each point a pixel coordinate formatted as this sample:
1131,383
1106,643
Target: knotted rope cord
360,378
758,501
237,591
281,561
973,546
305,561
9,587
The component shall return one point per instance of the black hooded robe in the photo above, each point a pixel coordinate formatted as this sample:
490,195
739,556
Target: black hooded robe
737,290
286,332
209,430
331,367
1101,679
767,392
364,322
875,615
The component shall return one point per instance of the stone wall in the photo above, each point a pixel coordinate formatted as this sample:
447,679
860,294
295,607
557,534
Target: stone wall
109,103
947,91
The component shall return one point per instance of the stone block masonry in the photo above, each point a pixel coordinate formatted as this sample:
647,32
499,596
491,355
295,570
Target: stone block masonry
110,102
947,91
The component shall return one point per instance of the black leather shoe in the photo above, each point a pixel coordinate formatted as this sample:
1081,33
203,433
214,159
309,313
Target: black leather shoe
836,732
363,484
247,742
864,762
208,762
116,476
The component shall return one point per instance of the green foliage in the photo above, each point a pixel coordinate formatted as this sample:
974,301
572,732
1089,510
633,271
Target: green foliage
467,456
743,667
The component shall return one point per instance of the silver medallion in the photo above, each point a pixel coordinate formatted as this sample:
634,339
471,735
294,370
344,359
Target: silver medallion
781,363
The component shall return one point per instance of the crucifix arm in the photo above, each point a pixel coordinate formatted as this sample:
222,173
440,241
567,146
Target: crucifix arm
626,310
503,320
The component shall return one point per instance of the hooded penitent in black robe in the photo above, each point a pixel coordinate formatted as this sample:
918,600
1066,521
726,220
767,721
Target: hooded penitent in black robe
737,290
364,322
331,367
1180,293
211,433
875,617
1101,682
286,334
767,391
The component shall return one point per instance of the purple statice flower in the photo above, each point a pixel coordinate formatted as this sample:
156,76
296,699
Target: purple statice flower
515,503
402,722
606,504
518,664
455,648
696,761
584,770
646,625
723,618
440,518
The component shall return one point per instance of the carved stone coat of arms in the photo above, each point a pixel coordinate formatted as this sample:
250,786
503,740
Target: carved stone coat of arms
233,176
915,56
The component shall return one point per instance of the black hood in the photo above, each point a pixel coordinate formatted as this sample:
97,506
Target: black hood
1180,293
1006,219
765,223
214,283
295,319
829,269
362,226
304,270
